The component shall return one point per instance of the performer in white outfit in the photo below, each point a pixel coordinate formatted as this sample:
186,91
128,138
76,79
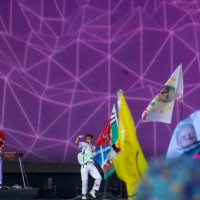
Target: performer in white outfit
88,167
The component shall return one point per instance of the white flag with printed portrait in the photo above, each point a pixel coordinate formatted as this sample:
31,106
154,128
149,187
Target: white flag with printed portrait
185,140
161,107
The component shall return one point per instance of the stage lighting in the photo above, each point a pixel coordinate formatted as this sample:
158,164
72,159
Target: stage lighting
49,190
115,190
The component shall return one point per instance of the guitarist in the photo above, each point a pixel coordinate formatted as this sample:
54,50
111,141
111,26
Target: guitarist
2,141
88,167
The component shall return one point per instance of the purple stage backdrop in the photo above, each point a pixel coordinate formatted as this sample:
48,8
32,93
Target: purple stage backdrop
63,61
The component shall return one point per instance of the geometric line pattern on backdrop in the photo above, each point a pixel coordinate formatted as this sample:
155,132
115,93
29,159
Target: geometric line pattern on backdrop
62,62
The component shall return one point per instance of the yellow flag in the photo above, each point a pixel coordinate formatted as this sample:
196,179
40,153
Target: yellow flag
130,163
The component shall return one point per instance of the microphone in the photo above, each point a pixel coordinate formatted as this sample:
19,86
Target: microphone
18,154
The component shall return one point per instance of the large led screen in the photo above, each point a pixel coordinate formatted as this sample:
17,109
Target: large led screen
63,61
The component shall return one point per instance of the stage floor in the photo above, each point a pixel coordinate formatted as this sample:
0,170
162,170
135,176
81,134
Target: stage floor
41,194
20,193
100,196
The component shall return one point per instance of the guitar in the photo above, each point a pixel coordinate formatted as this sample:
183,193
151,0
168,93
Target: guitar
84,157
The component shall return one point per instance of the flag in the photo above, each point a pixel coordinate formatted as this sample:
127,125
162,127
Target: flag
185,140
161,107
130,163
114,130
103,150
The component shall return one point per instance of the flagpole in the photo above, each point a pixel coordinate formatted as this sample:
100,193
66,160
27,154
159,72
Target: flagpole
105,187
181,108
180,84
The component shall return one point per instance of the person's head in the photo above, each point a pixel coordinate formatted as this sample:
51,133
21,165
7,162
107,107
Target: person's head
186,135
166,94
89,138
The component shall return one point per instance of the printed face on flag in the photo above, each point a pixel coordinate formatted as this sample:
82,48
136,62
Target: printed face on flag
185,141
186,135
166,94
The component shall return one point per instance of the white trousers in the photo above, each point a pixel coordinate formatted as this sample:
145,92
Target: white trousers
91,169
